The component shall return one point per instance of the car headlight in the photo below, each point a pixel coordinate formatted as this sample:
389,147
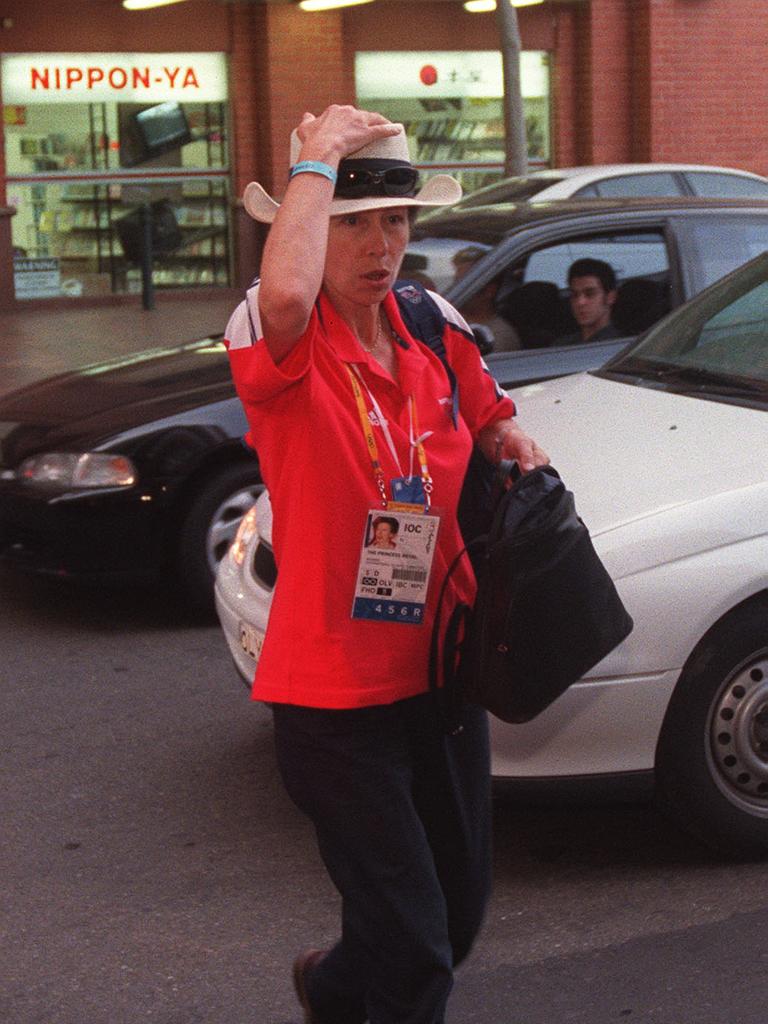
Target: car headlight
245,532
67,470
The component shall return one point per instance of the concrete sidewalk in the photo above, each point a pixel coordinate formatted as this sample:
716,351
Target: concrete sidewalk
38,343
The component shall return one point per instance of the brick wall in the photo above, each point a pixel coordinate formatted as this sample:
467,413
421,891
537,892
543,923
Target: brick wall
439,26
564,90
304,72
104,25
708,81
250,120
595,84
609,101
668,80
640,143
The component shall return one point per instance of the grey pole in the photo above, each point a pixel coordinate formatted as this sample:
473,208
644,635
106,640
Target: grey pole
516,145
147,284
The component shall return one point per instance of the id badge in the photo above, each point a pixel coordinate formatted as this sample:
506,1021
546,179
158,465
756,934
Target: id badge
408,490
395,566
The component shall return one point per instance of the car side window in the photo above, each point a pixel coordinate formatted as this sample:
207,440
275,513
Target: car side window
726,186
532,295
631,254
656,183
720,244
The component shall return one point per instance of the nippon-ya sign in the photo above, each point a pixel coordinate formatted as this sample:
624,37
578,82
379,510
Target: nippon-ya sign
123,77
445,74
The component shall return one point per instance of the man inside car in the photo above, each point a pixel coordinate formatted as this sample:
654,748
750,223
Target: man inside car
592,293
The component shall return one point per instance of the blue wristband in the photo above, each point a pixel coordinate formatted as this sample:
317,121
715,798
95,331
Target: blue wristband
314,167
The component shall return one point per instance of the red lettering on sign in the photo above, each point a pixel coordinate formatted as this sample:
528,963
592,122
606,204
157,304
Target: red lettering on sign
118,78
40,78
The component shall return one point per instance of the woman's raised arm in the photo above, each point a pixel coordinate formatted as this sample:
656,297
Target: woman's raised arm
294,255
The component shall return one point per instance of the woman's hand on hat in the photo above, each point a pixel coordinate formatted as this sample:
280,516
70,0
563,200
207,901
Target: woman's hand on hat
341,130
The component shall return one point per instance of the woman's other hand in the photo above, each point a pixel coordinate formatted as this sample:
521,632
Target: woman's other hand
505,440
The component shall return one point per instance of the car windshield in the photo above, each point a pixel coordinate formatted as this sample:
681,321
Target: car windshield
714,347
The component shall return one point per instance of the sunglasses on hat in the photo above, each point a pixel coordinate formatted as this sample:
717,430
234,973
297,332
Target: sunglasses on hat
356,182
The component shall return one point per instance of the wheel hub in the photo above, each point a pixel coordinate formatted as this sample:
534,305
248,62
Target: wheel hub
739,736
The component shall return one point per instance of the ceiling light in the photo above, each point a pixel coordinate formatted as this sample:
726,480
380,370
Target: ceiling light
329,5
142,5
481,6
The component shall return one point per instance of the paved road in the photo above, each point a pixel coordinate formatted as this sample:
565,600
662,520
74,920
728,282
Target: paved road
153,870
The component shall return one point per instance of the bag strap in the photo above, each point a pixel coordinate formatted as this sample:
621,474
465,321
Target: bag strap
421,315
425,321
506,471
448,696
455,649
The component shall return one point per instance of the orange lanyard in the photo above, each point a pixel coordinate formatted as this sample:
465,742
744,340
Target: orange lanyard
416,441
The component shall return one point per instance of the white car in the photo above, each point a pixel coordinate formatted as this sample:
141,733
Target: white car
619,180
666,451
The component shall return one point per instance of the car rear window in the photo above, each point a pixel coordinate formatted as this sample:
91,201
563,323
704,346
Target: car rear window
726,186
656,183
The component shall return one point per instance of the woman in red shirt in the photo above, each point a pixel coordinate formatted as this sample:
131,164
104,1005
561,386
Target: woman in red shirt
352,417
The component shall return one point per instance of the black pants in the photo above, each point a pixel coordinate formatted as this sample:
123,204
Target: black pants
402,814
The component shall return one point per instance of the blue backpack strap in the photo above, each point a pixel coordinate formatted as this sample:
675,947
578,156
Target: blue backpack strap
424,320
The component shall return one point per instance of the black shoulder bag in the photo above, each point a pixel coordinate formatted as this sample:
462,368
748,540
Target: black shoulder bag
546,610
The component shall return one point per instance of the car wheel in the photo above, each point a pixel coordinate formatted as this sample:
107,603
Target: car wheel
209,527
712,756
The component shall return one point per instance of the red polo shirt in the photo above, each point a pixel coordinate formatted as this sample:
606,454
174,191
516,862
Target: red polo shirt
304,423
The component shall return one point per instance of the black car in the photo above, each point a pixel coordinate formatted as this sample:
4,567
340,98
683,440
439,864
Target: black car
137,466
127,468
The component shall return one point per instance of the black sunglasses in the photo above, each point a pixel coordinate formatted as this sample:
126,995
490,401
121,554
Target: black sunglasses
356,182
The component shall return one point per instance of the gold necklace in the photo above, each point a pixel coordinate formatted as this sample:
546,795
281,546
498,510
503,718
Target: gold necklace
379,336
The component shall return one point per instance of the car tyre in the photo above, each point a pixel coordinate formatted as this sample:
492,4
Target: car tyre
209,527
712,755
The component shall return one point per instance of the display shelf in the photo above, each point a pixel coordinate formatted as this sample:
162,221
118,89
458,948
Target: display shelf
202,218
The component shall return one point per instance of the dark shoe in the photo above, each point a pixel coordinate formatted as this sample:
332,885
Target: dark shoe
302,966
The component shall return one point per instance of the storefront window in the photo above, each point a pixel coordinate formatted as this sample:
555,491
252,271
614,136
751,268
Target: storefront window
451,104
96,142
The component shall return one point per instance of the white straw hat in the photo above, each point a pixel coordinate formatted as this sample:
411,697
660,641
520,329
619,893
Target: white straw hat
391,151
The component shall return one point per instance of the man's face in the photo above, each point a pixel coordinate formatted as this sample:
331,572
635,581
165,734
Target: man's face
591,303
